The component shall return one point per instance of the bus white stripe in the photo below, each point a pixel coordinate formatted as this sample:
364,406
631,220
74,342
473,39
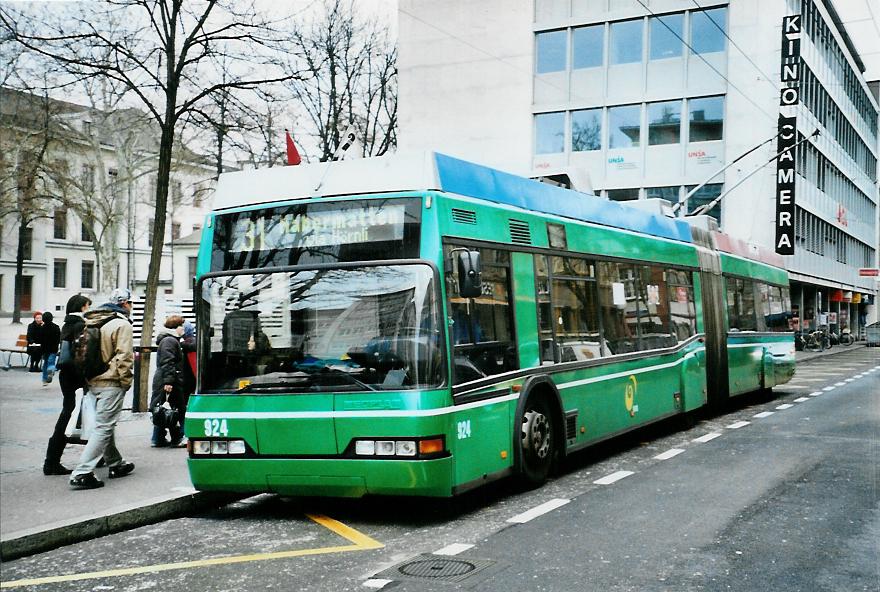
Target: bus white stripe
334,414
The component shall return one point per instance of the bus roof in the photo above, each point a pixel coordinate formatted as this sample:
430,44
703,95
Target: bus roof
425,171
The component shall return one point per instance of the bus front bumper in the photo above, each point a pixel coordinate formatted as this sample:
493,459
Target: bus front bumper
324,477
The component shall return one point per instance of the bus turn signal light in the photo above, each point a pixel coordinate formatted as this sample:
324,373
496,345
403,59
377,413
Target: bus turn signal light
432,446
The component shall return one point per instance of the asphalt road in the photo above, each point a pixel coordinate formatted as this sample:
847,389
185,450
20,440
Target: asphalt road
787,501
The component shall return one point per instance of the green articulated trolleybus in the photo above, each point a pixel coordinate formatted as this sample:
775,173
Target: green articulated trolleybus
421,325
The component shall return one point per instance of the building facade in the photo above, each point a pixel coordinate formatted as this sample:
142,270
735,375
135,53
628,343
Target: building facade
60,252
651,99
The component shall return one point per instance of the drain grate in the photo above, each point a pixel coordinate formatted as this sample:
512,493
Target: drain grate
434,567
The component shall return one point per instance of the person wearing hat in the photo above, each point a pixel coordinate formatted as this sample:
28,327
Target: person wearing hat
108,390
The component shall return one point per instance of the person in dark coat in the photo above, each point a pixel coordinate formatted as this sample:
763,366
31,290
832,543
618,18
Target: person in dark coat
71,380
34,339
49,345
168,380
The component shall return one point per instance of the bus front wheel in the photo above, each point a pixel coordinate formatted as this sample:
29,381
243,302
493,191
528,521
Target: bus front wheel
538,441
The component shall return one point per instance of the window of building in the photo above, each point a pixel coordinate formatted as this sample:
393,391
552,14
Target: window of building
588,46
59,273
60,224
667,33
87,275
586,130
626,42
28,240
551,48
549,133
175,230
623,194
705,119
85,234
191,263
705,34
664,123
670,194
150,224
706,194
482,328
624,126
197,197
87,178
176,193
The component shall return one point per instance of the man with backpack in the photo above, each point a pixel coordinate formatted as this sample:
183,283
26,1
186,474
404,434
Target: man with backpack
104,354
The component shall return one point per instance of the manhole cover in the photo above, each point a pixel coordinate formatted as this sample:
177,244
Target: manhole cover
435,567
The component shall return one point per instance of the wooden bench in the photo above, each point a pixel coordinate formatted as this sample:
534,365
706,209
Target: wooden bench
20,349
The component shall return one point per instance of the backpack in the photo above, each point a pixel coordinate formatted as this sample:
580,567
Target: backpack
87,356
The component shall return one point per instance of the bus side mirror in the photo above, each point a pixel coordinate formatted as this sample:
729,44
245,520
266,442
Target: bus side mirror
470,279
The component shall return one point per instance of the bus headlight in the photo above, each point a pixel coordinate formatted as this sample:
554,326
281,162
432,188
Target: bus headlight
219,447
405,448
201,446
236,447
365,448
385,448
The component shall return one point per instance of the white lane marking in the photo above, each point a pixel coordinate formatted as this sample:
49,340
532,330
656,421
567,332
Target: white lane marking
377,583
538,511
801,399
794,387
784,406
840,383
738,425
613,477
808,379
828,389
816,394
764,414
849,379
669,454
707,437
454,549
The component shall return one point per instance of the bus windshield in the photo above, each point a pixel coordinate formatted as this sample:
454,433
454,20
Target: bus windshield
326,330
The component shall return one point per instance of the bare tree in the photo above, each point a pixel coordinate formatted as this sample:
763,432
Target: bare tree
164,52
351,79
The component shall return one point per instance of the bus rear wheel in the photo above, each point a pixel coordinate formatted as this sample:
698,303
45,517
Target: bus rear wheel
538,433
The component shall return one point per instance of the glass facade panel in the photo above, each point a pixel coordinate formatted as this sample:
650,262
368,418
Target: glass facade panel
586,130
588,46
706,119
705,34
549,133
664,123
623,194
551,50
626,42
670,194
667,33
706,194
624,126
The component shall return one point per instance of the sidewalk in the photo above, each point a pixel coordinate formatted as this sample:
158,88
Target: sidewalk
803,356
39,512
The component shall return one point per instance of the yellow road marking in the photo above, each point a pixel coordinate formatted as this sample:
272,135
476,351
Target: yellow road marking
361,542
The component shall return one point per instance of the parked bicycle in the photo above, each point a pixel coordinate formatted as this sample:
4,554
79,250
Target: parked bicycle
814,341
846,337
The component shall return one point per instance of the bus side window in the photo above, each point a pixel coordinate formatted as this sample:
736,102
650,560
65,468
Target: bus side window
482,327
682,310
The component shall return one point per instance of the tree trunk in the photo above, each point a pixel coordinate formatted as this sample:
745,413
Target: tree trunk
19,273
166,145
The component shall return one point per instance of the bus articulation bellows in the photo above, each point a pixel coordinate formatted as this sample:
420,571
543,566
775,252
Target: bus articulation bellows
421,325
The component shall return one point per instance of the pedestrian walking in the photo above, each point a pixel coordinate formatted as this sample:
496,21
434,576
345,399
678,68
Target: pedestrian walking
34,338
108,388
70,380
51,339
168,384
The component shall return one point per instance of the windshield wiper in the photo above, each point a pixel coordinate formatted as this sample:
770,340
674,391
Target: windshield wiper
352,379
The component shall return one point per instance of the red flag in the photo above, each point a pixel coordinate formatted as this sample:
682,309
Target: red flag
292,154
